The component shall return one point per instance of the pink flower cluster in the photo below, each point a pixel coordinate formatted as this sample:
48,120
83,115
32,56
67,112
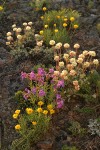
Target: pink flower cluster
38,82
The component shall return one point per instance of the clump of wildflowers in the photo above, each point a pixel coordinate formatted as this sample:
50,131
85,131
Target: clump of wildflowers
43,95
72,66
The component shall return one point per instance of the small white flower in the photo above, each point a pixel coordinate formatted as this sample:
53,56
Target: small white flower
80,60
65,56
19,37
72,53
28,28
9,38
65,78
81,56
14,26
72,60
61,64
52,42
18,30
58,45
74,64
85,52
30,23
39,43
24,24
76,46
14,29
64,72
56,73
95,62
72,72
56,58
86,64
66,45
92,53
9,34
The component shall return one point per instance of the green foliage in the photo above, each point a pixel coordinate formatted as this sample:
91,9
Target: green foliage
90,4
60,36
59,20
38,4
76,129
30,133
86,110
65,147
90,87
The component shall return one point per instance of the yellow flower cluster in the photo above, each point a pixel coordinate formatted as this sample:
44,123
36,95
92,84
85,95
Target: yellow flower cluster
16,114
29,111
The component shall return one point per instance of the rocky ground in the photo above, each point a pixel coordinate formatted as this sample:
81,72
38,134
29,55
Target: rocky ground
88,36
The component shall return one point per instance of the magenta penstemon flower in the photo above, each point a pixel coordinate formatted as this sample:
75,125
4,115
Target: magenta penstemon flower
33,90
32,76
51,70
60,83
60,103
41,72
42,93
58,96
23,75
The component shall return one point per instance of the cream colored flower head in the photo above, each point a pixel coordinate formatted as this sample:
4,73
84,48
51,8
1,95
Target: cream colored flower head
75,82
72,60
61,64
74,64
65,77
70,66
19,37
77,88
72,73
30,23
92,53
80,60
28,28
58,45
39,43
52,42
14,26
76,46
18,30
9,38
66,45
9,34
56,58
86,64
64,72
56,73
81,56
14,29
85,52
96,62
24,24
72,53
65,56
